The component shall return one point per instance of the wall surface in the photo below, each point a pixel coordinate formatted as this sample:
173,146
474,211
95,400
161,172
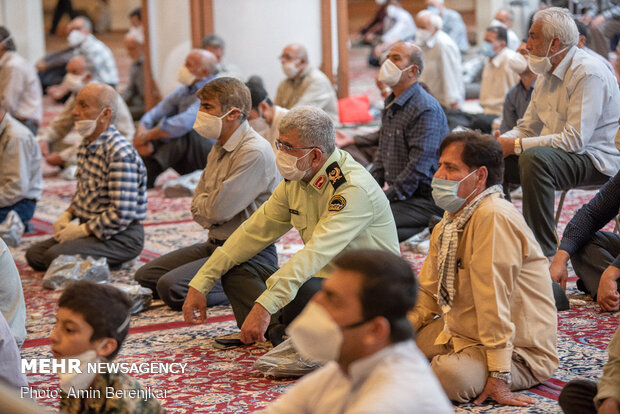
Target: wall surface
24,19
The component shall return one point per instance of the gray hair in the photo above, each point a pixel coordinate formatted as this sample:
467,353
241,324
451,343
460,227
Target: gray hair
417,58
213,40
87,24
230,93
108,99
558,22
314,127
434,19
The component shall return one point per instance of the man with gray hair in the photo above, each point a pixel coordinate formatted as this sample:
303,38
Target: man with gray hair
215,44
110,198
332,201
566,136
304,85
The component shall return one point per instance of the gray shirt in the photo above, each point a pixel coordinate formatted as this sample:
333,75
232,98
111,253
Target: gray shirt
240,176
12,304
20,163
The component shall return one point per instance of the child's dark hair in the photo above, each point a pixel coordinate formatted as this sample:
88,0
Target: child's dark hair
105,308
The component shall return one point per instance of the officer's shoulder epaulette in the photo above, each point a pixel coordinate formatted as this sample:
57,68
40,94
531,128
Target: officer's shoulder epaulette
334,174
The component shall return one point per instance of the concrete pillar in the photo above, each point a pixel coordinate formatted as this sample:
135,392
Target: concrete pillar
24,19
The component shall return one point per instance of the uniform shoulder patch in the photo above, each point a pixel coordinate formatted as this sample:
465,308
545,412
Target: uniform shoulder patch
337,203
334,174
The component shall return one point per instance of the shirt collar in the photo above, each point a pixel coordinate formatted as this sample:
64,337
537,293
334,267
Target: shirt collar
561,69
100,139
403,97
237,136
320,181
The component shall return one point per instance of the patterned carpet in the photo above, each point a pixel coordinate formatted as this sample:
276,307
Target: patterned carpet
224,381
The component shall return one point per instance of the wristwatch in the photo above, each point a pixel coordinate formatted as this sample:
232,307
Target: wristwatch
504,376
518,147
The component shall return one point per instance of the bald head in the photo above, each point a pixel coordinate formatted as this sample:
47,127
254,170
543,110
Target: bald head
101,95
295,51
77,66
201,63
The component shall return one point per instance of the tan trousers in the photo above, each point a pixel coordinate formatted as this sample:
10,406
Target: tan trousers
464,374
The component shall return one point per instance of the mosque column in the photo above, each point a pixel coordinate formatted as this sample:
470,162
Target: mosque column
24,19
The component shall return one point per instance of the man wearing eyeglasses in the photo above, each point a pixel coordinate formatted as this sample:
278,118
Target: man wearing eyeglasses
332,201
304,85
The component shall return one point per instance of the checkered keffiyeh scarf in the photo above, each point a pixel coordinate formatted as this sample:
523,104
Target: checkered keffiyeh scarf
448,244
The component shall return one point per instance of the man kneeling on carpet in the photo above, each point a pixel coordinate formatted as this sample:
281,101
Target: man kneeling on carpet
357,325
240,175
486,316
332,201
91,325
110,198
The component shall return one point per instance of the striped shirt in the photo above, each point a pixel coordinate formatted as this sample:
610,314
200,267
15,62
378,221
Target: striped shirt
111,184
413,126
97,53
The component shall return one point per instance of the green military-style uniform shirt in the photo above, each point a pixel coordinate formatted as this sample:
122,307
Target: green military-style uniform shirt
341,208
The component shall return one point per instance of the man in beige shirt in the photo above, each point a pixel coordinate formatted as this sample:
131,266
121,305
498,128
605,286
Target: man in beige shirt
486,281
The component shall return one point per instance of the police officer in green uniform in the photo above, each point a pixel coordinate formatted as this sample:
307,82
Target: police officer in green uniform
328,197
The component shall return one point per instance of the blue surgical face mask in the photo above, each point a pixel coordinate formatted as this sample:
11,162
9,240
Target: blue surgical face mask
445,193
487,49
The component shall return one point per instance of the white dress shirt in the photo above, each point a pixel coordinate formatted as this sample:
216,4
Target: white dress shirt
442,69
575,109
20,88
497,79
397,379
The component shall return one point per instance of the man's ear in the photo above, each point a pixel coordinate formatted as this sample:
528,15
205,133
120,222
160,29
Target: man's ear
106,347
483,175
379,331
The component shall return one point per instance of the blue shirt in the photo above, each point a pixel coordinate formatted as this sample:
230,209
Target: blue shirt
413,126
592,217
111,184
517,100
176,113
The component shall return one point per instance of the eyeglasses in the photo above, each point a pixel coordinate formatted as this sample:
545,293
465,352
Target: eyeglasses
287,57
281,145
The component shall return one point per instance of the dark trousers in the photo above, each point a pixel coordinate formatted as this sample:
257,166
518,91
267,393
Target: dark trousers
591,260
169,275
24,209
62,7
184,154
243,284
577,397
413,214
364,154
120,248
541,171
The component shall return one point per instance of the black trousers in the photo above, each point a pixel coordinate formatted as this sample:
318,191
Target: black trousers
577,397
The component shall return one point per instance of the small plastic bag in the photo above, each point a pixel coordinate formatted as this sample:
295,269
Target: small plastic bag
183,186
12,229
140,296
70,268
284,361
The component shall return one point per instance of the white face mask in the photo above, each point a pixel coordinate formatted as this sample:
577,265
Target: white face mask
315,334
73,82
290,69
287,165
185,76
542,64
76,380
76,37
518,63
86,127
422,36
390,73
209,126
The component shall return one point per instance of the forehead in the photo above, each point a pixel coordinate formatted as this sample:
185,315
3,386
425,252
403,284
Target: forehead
290,50
399,51
489,35
210,101
536,29
453,154
290,137
76,65
66,315
88,95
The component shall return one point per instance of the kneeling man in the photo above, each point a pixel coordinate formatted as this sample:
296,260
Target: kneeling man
486,316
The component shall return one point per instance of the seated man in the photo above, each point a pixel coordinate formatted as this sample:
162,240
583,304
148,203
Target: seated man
329,198
304,85
485,317
240,175
375,367
584,43
589,397
79,73
412,127
165,137
453,23
12,304
215,44
595,254
443,61
565,138
110,198
498,76
20,90
134,94
518,98
21,182
265,117
91,324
